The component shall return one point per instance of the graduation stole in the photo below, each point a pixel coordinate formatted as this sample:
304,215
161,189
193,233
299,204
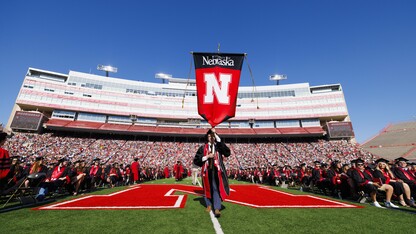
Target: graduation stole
207,150
406,174
57,172
386,174
362,173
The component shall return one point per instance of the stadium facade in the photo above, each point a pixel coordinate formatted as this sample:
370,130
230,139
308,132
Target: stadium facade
87,102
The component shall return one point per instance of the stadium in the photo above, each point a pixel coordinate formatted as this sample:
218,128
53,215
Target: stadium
85,117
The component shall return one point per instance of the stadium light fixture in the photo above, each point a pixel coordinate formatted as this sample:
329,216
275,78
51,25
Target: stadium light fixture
107,69
278,78
163,76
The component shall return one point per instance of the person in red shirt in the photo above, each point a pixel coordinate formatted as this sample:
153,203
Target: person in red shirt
178,170
57,177
166,172
127,175
94,172
135,170
113,175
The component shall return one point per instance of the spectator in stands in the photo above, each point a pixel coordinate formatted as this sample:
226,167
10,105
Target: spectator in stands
5,162
385,175
364,181
249,164
214,177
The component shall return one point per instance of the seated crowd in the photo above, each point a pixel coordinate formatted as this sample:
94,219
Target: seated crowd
74,165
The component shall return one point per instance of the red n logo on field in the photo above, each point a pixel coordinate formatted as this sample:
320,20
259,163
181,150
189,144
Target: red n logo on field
163,197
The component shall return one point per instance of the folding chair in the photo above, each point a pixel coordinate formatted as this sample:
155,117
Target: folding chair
28,194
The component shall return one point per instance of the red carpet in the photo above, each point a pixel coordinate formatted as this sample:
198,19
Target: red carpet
163,197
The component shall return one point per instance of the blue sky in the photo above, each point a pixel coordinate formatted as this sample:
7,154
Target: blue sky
369,47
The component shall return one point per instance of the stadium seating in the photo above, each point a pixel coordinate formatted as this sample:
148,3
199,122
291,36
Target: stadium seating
396,140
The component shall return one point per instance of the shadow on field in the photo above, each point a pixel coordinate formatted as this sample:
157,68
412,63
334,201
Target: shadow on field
203,204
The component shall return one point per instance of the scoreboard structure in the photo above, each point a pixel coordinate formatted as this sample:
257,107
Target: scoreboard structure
340,129
28,121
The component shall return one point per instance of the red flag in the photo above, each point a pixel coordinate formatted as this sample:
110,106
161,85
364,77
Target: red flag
217,81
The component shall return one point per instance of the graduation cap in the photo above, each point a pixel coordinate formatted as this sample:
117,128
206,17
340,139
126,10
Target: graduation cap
17,158
3,136
96,159
302,164
136,159
335,162
317,162
401,159
62,160
359,160
382,160
209,132
324,164
39,158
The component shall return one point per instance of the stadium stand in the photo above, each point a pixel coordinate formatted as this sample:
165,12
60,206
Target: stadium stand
396,140
79,118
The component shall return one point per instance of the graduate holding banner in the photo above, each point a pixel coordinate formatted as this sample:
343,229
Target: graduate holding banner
217,81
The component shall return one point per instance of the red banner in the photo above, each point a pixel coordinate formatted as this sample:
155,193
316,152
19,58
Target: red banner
217,81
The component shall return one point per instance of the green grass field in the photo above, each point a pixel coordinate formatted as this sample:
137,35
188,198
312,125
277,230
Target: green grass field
194,219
